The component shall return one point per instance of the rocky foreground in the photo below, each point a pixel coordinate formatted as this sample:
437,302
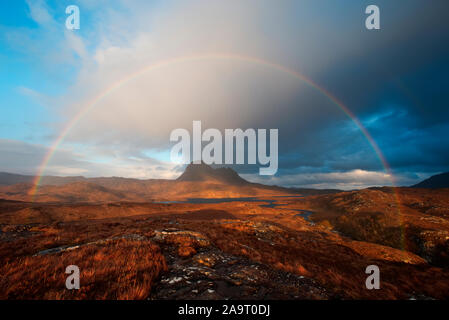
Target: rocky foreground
240,250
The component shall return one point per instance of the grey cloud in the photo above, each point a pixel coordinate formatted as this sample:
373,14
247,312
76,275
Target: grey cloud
373,73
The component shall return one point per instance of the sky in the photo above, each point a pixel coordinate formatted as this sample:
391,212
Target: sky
149,67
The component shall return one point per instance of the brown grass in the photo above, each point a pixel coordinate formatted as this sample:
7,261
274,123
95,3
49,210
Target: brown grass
125,269
117,269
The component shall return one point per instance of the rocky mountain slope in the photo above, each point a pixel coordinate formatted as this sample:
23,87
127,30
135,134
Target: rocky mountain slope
416,220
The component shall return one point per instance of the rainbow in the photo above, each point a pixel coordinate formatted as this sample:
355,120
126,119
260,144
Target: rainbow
211,56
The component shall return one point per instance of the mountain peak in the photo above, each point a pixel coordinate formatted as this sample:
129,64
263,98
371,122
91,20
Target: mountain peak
437,181
204,172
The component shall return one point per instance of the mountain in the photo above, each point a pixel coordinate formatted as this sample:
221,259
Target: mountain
8,179
193,173
203,172
437,181
198,181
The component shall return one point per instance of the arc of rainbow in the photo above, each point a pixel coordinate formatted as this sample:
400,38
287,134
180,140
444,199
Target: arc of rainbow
211,56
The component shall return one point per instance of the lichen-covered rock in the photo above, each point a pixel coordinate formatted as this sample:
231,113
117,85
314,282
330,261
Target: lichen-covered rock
186,242
206,259
186,251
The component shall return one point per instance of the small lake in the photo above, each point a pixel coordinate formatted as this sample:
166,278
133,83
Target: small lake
271,203
304,213
215,200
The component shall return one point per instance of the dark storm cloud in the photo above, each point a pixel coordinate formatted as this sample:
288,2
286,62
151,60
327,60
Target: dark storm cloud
395,80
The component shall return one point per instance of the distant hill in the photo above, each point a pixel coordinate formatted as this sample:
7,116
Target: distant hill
8,179
203,172
197,181
437,181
